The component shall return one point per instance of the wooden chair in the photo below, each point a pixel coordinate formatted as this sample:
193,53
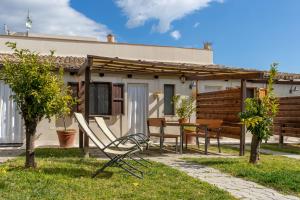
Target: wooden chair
161,123
213,131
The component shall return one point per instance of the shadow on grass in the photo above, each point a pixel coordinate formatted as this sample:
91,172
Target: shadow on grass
213,162
58,153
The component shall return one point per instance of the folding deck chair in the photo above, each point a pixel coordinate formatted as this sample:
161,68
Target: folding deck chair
116,155
140,138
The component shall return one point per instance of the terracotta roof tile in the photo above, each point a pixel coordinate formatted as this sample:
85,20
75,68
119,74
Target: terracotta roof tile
69,63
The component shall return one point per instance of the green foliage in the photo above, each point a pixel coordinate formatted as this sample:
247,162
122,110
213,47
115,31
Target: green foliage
259,112
63,174
184,106
38,91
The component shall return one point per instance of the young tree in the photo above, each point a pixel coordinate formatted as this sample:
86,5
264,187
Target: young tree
259,114
38,91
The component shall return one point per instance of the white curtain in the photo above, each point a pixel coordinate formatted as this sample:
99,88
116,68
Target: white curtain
137,108
11,129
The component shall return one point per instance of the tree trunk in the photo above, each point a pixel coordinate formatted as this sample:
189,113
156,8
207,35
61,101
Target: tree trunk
255,146
30,137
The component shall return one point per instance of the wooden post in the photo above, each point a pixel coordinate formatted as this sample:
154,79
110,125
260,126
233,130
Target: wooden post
80,85
87,78
243,127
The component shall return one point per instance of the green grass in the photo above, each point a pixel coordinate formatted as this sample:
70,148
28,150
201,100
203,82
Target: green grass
280,173
63,174
286,148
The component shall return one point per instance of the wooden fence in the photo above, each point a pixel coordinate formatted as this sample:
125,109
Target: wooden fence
224,105
287,121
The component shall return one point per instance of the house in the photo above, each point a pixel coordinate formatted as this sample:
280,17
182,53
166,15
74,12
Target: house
125,88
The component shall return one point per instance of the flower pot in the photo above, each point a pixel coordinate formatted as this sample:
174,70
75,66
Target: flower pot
66,138
183,120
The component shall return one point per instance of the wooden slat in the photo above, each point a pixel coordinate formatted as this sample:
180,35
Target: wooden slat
288,113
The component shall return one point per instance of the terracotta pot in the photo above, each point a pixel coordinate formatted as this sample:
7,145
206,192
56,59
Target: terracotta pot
183,120
66,138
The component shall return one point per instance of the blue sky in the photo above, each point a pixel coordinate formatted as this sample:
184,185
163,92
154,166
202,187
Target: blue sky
244,33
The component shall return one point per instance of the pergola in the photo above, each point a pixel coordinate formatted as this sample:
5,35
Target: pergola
194,72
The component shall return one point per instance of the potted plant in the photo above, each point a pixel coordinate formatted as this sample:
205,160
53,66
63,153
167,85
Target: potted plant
66,136
184,107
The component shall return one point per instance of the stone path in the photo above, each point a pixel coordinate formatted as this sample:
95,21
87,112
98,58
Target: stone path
9,153
237,187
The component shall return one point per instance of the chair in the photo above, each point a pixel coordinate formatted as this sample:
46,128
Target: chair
111,150
139,138
161,123
211,129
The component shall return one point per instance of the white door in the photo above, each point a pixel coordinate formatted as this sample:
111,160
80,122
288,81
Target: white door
137,114
11,131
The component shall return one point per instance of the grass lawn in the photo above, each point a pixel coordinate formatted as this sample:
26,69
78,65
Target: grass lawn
63,174
287,148
280,173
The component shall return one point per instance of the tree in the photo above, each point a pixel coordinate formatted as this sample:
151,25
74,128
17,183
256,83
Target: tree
259,114
38,91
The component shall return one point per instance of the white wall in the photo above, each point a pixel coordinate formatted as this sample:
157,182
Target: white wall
82,48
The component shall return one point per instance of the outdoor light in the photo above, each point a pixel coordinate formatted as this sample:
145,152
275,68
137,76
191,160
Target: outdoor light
101,74
156,76
129,75
72,73
28,23
292,90
193,84
182,79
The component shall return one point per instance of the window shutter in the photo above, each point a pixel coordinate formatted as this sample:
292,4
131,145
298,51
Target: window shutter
117,99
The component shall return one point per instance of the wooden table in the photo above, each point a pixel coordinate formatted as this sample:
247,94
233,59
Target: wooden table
182,125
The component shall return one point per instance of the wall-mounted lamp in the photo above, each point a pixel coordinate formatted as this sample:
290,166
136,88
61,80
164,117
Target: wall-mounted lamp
101,74
293,89
129,75
182,79
156,94
193,84
72,73
156,76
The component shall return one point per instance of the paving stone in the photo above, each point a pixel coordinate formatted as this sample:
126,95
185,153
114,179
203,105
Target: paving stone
237,187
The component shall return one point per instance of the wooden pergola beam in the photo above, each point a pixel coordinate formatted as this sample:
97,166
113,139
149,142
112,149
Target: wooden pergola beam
222,76
281,82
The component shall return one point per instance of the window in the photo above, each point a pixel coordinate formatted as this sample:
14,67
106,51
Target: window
250,92
169,92
100,98
106,98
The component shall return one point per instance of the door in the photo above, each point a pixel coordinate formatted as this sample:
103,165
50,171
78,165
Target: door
137,113
11,129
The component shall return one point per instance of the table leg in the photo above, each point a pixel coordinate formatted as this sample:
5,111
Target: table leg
206,140
181,139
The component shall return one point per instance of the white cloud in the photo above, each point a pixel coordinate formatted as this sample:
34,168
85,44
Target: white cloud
176,34
196,25
49,17
165,11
